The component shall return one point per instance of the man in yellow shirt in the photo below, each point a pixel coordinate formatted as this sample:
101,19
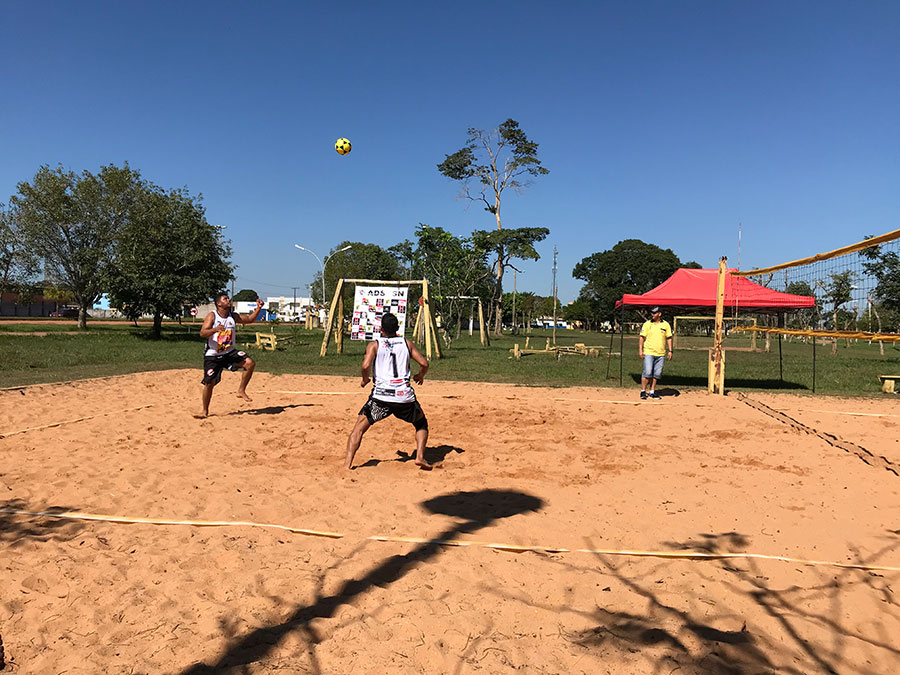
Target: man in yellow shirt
656,337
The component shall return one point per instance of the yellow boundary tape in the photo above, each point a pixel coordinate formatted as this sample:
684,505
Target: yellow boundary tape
515,548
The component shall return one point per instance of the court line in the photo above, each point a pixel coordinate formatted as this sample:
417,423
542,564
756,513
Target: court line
78,419
514,548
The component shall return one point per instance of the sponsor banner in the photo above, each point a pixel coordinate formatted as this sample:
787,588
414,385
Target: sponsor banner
370,303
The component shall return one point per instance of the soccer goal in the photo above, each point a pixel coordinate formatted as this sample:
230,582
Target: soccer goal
374,297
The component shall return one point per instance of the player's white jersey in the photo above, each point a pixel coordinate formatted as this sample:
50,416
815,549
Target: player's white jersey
392,371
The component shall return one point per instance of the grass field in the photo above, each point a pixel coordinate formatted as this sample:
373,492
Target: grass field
56,351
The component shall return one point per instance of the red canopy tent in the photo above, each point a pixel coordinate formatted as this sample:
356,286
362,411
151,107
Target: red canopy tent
698,288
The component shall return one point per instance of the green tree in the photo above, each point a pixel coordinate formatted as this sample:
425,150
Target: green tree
507,245
167,255
803,318
884,266
360,261
71,222
487,165
245,295
455,266
631,266
18,264
582,311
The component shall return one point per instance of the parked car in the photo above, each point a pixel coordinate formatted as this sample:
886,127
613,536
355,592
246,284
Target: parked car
69,313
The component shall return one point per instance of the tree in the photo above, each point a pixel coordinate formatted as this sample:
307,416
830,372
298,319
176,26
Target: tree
71,222
491,163
508,245
245,295
631,266
581,311
454,265
18,264
360,261
167,255
884,266
839,291
803,318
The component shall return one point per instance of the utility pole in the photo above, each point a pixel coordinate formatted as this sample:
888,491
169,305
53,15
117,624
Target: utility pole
554,295
514,327
294,306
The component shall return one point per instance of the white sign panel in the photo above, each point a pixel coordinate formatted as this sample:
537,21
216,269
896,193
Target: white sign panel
370,303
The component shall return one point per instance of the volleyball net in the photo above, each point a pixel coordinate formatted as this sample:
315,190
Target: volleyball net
855,291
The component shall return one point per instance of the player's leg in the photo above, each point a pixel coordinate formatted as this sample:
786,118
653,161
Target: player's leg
421,425
353,441
212,373
248,365
206,397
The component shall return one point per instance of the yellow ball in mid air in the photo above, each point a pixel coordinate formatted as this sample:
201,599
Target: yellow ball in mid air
342,145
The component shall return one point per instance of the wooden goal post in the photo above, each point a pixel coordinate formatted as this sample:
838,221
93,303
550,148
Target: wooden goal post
335,321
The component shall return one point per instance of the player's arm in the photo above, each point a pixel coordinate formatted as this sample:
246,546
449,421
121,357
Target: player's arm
207,329
641,346
418,358
669,344
253,315
368,360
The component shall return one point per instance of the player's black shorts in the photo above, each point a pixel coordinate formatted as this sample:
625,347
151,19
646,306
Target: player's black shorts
213,365
411,412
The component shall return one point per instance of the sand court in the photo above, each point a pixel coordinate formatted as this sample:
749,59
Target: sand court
576,468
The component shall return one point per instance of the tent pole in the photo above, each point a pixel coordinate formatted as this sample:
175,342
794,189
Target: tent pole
621,344
612,336
814,364
780,364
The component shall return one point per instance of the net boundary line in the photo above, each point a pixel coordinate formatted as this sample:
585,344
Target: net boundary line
852,448
511,548
844,250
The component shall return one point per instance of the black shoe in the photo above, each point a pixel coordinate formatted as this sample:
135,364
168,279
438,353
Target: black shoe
643,395
654,396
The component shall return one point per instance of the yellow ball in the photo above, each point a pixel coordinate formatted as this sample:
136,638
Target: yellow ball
342,145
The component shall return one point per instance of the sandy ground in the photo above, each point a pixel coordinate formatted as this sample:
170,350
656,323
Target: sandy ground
550,467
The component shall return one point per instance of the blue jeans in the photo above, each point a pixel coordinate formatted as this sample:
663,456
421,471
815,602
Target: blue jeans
653,366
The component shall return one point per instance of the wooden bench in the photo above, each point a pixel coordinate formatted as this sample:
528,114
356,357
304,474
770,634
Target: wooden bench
266,341
888,382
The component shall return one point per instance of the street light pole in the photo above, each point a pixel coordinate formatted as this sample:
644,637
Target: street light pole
322,264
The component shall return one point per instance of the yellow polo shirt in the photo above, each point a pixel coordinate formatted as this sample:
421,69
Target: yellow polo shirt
655,335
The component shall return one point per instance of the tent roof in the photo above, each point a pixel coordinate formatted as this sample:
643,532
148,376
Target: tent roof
697,288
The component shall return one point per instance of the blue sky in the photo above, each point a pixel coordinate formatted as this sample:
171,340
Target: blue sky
671,122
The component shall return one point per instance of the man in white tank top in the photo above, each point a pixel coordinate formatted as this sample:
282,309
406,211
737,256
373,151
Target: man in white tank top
219,330
391,393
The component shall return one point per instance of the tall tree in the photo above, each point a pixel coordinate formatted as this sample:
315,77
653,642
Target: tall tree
167,255
487,165
455,265
18,264
631,266
360,261
71,222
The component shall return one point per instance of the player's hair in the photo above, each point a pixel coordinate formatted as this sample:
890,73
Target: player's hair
220,295
389,324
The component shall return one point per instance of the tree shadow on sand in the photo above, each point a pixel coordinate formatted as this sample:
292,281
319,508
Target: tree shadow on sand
788,639
434,455
15,528
476,509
